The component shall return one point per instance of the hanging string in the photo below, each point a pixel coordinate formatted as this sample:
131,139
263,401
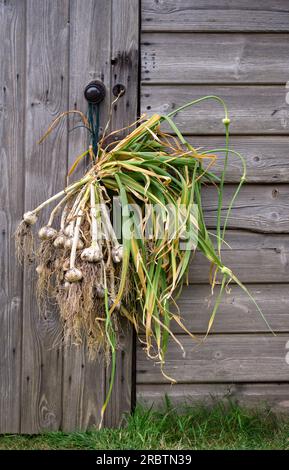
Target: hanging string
93,120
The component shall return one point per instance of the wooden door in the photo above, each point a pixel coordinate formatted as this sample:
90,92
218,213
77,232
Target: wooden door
50,50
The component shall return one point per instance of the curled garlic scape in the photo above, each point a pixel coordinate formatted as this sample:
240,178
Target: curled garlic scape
93,253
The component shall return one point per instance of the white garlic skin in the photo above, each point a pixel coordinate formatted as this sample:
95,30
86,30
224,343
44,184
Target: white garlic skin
68,231
47,233
117,254
40,269
69,241
100,292
66,265
111,302
59,241
30,218
73,275
92,254
66,285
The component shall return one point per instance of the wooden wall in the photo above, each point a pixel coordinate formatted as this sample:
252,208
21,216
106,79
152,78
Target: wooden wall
50,50
239,51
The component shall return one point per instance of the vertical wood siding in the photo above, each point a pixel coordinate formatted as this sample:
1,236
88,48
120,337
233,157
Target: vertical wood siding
239,51
50,50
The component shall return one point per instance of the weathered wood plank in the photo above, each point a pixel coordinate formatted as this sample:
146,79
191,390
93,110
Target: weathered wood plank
124,54
221,358
236,313
124,58
260,208
45,170
90,51
254,258
267,158
83,389
250,395
213,15
252,109
12,79
89,59
122,393
214,58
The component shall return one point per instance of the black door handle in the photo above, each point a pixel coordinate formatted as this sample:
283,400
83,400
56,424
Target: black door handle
95,92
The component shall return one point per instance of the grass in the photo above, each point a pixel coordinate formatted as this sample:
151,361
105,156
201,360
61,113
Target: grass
197,428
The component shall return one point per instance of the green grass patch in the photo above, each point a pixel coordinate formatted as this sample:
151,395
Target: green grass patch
220,427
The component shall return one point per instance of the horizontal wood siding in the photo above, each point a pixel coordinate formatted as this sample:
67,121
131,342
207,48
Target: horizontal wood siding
267,157
246,394
258,110
221,358
215,15
253,257
259,208
215,58
237,313
238,51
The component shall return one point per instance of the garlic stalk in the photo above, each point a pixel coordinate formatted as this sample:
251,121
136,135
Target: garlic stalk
28,215
93,253
74,274
76,204
61,238
57,207
48,232
117,248
70,219
63,217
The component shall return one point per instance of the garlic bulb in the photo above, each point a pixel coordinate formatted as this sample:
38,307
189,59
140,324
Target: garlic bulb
47,233
73,275
92,254
40,269
111,302
117,253
59,241
69,241
66,265
100,292
30,218
68,230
